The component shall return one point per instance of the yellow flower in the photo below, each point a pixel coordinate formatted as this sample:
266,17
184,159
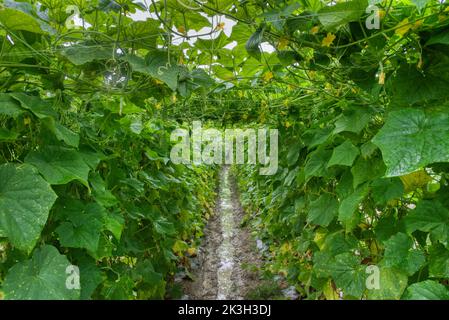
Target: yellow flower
315,30
327,41
287,124
268,76
158,106
283,43
26,121
403,27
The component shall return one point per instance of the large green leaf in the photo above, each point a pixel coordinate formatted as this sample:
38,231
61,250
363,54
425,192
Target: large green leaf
59,165
411,86
158,65
83,226
427,290
40,108
386,189
429,216
16,20
8,106
323,210
80,54
366,169
25,201
341,13
348,274
90,277
316,164
438,262
348,211
352,120
412,139
392,284
399,254
344,154
43,277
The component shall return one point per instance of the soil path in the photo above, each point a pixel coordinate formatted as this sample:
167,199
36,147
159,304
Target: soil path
228,254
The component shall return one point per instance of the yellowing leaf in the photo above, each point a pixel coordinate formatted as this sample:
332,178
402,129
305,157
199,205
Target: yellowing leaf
179,247
283,43
403,27
327,41
192,251
329,292
415,180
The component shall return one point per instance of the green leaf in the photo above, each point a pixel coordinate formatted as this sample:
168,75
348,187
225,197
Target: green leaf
334,16
429,216
438,262
90,277
101,194
253,44
384,190
427,290
16,20
80,54
412,139
43,277
399,254
115,223
122,289
157,65
348,274
40,108
323,210
316,164
8,106
62,133
366,170
25,201
7,135
344,154
348,210
59,165
83,227
352,121
410,86
392,284
439,38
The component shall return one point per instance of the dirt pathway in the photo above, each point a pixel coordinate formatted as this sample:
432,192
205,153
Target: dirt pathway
227,253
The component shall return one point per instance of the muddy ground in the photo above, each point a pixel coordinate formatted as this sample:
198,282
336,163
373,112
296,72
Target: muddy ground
228,260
